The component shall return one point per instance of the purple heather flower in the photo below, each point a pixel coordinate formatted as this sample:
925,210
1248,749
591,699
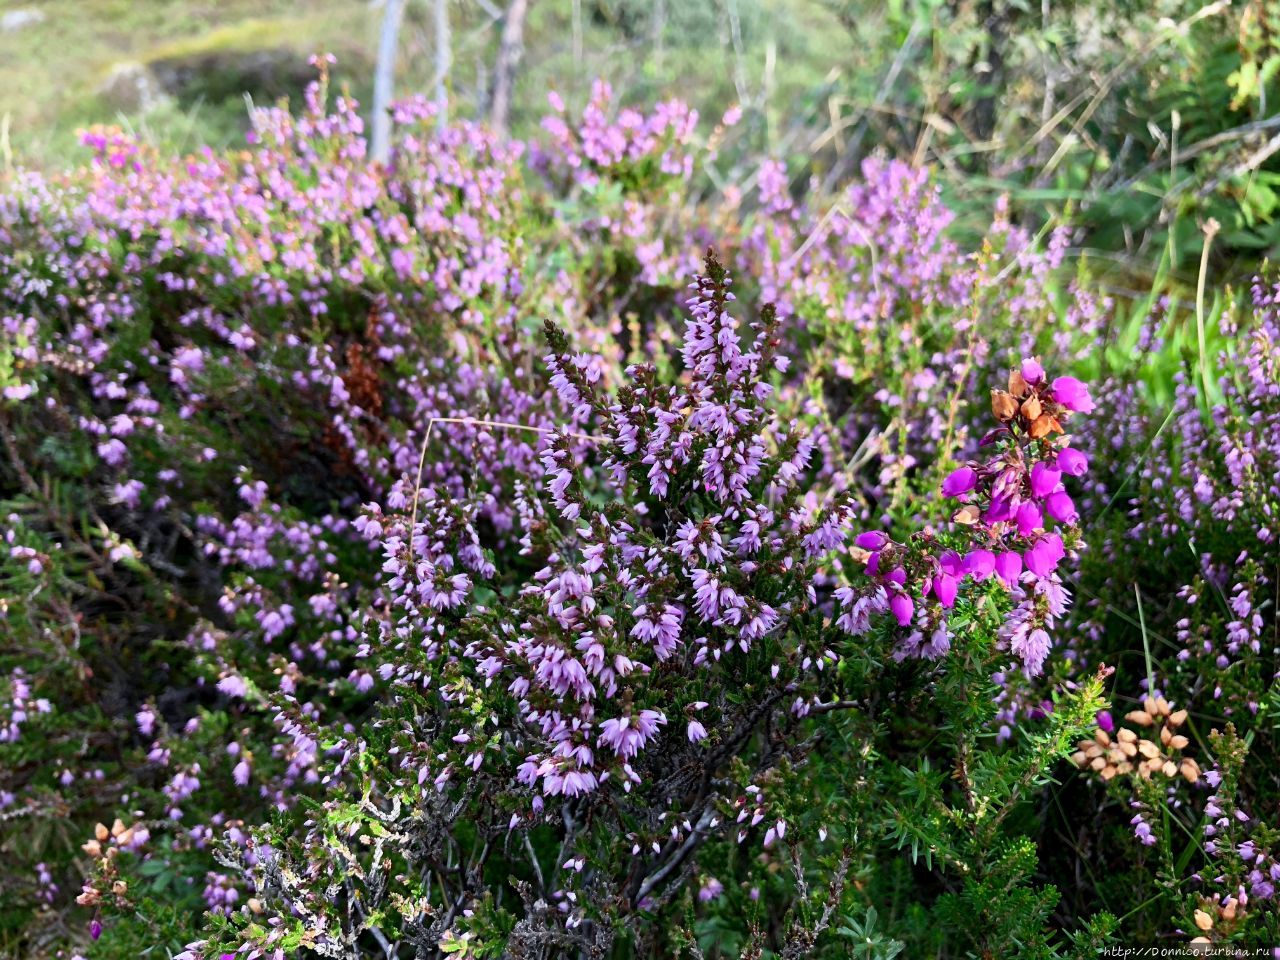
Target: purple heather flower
1031,647
1072,394
980,563
1001,509
233,686
1060,506
710,889
1044,555
902,607
944,588
1032,371
960,481
1009,567
871,540
1028,518
1105,721
1072,462
1044,480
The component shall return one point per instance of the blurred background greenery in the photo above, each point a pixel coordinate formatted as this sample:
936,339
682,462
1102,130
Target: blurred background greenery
1141,120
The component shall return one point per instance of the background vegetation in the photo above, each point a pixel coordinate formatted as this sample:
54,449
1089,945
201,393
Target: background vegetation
219,352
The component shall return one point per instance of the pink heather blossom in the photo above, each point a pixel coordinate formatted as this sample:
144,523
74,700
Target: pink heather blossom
871,540
1032,371
902,607
233,686
1032,648
944,588
980,563
1072,394
1044,555
1044,480
1060,506
1072,462
1028,518
1008,567
960,481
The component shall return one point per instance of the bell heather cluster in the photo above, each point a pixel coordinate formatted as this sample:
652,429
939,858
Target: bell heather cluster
1015,524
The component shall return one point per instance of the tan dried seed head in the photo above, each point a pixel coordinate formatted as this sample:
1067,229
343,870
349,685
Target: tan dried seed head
1003,405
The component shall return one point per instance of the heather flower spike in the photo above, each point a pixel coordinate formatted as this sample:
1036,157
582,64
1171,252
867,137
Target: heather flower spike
1018,528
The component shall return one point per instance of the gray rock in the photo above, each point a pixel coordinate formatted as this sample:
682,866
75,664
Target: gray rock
12,20
133,88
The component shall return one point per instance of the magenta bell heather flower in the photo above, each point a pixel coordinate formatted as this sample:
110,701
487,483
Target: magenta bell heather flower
1032,371
944,588
1060,506
960,481
1009,567
1028,518
902,607
980,564
1044,555
1044,480
1072,394
1072,462
871,540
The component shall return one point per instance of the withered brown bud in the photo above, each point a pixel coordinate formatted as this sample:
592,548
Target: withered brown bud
1017,383
1031,408
1003,405
1042,426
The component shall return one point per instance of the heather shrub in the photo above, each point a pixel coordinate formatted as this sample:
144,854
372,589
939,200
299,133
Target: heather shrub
404,560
